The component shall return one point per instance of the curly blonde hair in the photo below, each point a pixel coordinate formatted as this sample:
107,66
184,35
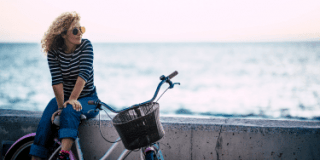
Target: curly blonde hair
52,39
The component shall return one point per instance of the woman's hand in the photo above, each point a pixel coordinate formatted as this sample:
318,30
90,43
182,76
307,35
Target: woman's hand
58,112
76,105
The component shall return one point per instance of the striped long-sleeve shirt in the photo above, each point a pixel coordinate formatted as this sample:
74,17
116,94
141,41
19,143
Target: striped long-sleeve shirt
66,68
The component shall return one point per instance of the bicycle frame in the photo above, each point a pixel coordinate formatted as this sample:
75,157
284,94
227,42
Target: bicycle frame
107,154
124,153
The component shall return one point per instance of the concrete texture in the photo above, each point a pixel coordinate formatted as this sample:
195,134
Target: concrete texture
192,138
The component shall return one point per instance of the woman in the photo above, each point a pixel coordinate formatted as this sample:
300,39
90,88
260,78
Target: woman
70,59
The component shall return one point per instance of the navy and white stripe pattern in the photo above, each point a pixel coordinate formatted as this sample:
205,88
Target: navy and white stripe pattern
66,68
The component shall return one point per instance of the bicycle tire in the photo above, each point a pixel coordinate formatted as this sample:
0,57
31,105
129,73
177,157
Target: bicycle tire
22,151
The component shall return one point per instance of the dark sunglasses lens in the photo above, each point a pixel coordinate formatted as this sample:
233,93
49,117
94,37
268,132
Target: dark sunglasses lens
75,31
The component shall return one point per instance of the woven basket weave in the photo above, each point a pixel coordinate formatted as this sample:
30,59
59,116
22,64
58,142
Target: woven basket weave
139,126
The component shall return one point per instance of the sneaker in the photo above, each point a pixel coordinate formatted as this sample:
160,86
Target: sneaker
152,148
153,152
148,149
149,152
63,155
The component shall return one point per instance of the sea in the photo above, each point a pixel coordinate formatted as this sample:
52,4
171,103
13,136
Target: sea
262,80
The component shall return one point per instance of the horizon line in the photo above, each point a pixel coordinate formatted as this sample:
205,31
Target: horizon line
137,42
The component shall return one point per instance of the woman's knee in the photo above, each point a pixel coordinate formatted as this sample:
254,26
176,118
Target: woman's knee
70,111
69,119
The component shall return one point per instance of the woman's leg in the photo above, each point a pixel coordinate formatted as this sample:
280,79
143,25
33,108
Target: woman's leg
69,123
66,144
70,120
45,132
35,158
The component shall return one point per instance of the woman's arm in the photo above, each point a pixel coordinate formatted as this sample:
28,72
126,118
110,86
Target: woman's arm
73,100
58,92
78,87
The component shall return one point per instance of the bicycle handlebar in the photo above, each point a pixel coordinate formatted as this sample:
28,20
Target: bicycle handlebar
173,74
163,79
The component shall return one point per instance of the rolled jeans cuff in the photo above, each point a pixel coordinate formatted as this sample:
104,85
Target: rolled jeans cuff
38,151
68,133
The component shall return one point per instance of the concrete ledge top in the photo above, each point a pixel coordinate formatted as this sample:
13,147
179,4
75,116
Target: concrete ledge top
179,120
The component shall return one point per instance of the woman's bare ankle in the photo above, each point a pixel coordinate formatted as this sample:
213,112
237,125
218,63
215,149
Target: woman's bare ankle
35,158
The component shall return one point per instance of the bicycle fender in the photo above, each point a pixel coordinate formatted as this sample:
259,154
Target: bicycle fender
17,143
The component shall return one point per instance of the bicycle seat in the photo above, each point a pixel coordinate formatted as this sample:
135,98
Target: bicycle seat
83,117
56,120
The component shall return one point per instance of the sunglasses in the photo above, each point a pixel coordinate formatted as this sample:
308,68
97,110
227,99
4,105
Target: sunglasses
77,29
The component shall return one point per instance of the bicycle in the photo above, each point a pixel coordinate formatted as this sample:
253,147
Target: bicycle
138,126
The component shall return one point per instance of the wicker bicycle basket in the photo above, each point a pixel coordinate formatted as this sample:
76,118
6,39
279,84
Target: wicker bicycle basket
139,126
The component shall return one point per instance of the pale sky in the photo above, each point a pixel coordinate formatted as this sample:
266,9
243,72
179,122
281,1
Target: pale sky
167,20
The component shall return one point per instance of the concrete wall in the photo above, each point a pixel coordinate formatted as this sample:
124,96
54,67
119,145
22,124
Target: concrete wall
192,138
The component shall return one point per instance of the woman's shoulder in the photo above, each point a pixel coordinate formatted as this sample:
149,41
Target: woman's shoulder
85,42
85,45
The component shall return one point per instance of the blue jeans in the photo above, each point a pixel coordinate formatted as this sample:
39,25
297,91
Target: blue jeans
69,123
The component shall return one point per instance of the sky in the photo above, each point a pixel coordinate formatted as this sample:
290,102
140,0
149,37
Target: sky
167,20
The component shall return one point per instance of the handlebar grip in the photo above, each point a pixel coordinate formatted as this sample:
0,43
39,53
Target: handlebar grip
173,74
91,102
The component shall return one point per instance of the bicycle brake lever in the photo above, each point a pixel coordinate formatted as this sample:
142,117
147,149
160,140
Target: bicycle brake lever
172,84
